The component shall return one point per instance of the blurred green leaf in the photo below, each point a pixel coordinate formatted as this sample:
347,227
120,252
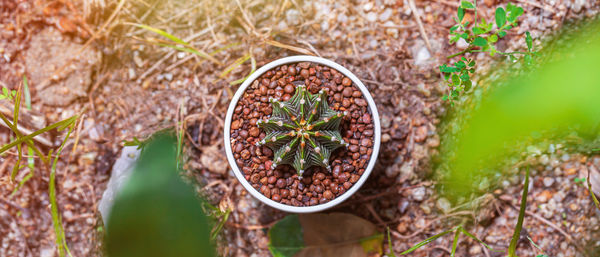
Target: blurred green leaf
448,69
500,17
535,101
478,31
479,41
333,234
467,5
285,237
460,13
156,213
529,41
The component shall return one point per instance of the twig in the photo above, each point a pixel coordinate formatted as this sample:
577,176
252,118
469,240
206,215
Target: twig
537,5
252,227
411,4
430,223
374,213
289,47
309,46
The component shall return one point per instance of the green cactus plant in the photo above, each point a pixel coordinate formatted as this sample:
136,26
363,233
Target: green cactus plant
302,131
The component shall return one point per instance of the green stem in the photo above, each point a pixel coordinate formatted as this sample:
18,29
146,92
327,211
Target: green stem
468,49
56,218
512,248
503,53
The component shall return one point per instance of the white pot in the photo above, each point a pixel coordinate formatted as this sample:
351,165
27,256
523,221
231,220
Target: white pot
240,176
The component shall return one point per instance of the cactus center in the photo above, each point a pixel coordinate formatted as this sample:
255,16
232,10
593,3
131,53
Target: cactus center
302,131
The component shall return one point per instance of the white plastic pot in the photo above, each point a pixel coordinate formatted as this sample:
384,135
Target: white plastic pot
375,117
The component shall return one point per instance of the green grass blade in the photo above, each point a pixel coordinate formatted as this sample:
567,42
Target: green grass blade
18,135
230,45
56,218
26,93
30,152
35,133
512,248
219,227
193,51
593,195
391,253
240,81
455,242
479,241
427,241
21,183
160,32
15,170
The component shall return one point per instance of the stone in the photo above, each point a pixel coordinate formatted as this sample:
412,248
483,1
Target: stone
121,172
385,15
419,193
548,181
443,204
55,70
422,56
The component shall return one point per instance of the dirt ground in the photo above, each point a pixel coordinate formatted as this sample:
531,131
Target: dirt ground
85,57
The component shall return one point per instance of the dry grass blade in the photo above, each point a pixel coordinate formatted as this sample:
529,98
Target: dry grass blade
289,47
160,32
234,65
186,46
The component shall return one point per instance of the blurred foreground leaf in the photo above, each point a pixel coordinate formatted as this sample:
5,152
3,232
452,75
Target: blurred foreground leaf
561,96
334,234
156,213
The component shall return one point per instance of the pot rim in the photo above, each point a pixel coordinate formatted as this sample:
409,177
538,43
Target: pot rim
239,175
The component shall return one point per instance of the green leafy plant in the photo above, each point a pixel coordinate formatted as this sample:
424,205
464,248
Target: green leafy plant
302,131
15,97
481,36
7,94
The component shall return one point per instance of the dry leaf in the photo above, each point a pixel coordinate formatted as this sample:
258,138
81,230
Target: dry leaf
339,234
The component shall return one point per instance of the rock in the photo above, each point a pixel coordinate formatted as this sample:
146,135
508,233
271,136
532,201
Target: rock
213,160
47,251
475,249
386,122
462,44
577,5
443,204
385,15
292,17
121,171
533,150
55,70
371,17
419,193
422,56
385,138
548,181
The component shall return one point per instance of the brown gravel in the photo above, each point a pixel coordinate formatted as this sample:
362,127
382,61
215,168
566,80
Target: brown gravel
318,185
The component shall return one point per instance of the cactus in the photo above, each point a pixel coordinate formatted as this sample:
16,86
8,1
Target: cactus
302,131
